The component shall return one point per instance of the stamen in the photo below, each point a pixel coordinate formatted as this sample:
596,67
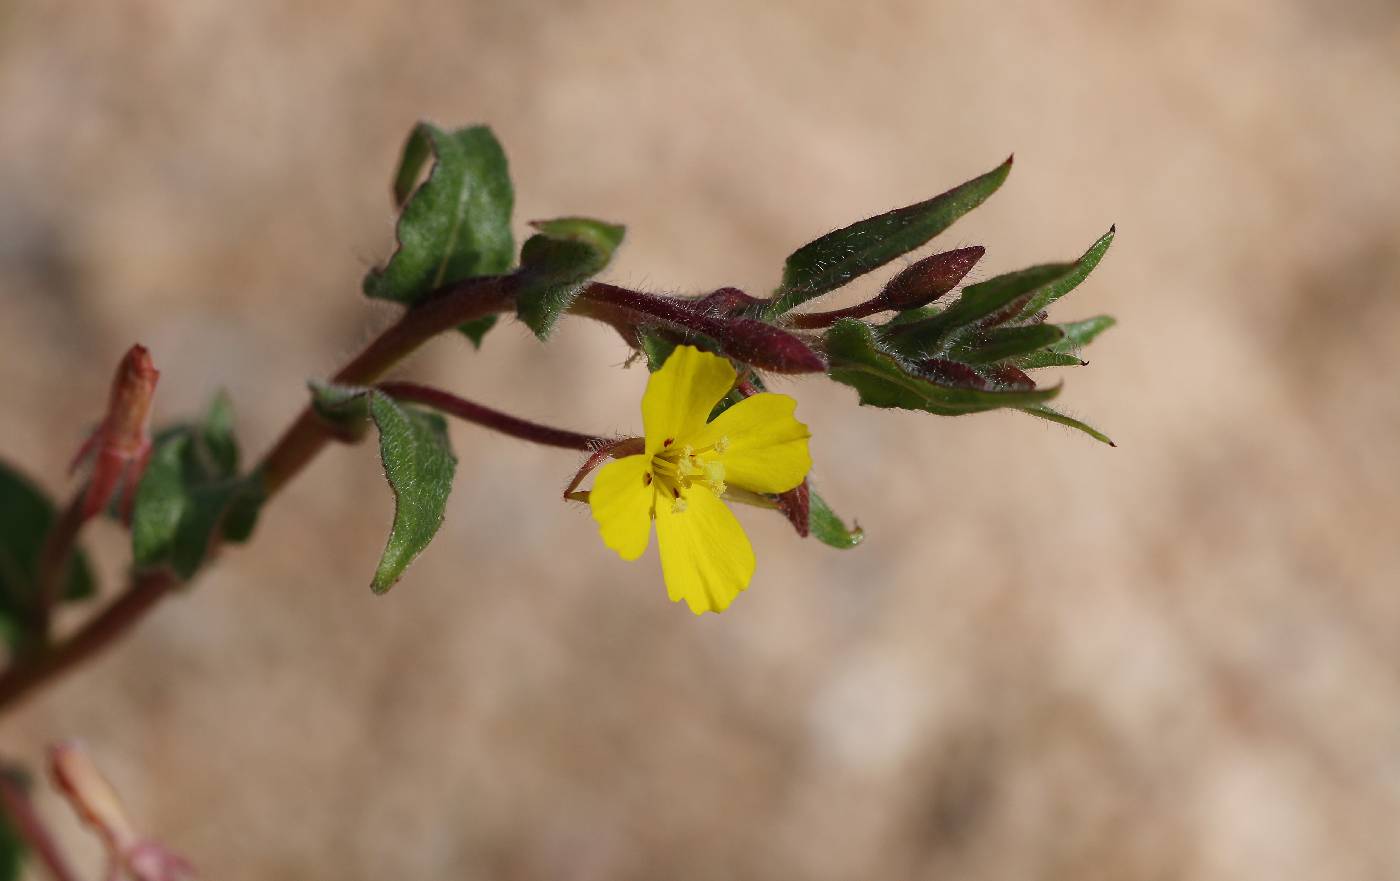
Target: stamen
722,444
678,506
646,479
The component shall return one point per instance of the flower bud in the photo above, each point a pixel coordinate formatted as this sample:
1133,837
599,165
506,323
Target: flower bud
765,346
930,278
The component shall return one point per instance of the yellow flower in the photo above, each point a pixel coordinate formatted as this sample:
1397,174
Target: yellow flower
755,445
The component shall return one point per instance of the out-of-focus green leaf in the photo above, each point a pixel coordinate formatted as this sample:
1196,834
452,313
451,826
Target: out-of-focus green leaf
556,262
1082,267
1000,343
455,225
476,330
883,380
1051,415
192,496
418,463
26,514
838,257
828,528
11,850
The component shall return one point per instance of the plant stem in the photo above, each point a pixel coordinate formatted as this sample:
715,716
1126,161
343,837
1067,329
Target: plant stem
439,312
15,802
53,564
141,595
413,393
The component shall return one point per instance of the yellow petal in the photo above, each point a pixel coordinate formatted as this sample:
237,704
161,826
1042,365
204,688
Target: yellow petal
766,447
621,503
705,556
680,396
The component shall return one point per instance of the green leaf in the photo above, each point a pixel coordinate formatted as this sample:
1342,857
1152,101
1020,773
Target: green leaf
456,225
883,380
1051,415
192,495
656,346
11,850
418,463
1047,359
477,328
1079,334
556,262
838,257
1000,343
1082,267
26,514
827,528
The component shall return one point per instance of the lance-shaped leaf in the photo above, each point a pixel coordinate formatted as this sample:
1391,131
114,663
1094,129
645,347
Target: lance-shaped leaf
1056,416
1082,267
998,344
884,380
26,515
556,262
455,225
1045,358
418,463
827,528
838,257
191,496
1079,334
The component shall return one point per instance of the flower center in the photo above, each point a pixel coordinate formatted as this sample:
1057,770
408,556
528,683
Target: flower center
676,468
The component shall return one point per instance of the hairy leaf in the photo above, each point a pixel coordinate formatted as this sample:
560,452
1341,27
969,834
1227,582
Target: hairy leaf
418,463
1082,267
556,262
455,225
827,528
883,380
1079,334
838,257
1000,343
1051,415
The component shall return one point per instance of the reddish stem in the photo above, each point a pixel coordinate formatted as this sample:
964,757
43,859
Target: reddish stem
413,393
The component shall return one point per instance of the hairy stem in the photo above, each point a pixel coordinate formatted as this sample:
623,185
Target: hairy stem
470,411
439,312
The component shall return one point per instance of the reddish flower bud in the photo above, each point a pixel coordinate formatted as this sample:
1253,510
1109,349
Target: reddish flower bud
1011,377
121,444
725,301
930,278
952,373
796,505
765,346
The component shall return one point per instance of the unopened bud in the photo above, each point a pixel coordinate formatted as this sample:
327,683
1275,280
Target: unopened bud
121,445
796,505
765,346
930,278
725,302
952,373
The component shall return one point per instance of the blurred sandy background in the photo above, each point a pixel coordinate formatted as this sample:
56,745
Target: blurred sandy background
1051,659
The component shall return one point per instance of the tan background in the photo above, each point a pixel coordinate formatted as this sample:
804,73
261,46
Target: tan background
1051,659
